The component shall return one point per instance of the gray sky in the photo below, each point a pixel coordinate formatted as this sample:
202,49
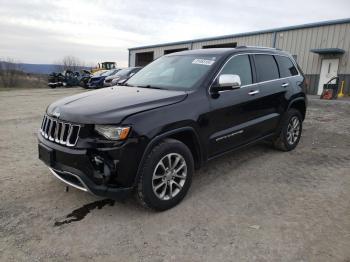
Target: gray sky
44,31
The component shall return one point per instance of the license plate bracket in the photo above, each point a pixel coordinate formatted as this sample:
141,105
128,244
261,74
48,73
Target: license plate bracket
46,154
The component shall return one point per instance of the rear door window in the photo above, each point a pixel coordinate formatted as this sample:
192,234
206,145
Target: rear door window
286,66
266,68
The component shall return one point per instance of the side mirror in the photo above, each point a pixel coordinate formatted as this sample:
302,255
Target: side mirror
227,82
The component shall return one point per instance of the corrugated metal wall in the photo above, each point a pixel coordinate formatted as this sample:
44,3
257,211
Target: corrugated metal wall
158,52
297,41
261,39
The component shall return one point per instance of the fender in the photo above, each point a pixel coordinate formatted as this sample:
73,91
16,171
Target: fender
161,136
291,102
295,100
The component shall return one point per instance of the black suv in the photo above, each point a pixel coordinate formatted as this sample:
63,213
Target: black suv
183,109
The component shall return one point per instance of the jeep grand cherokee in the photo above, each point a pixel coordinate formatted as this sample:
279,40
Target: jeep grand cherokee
178,112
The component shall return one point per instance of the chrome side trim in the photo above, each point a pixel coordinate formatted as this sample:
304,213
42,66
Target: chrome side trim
243,126
229,135
85,188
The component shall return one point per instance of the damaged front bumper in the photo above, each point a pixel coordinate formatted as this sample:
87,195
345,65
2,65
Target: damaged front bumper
89,169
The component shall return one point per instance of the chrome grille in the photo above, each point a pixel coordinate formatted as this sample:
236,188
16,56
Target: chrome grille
60,132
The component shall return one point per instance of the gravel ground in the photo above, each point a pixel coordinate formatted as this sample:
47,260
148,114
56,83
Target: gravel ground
257,204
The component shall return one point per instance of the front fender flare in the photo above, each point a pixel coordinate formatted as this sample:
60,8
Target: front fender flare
161,136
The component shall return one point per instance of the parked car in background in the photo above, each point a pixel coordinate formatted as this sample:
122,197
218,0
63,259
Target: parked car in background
85,76
55,79
69,78
121,77
66,78
96,81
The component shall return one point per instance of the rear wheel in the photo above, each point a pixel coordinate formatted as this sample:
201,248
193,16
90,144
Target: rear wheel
166,175
290,133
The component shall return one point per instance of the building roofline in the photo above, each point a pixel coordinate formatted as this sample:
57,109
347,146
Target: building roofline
274,30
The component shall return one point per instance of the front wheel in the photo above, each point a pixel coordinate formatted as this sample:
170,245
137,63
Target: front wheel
290,132
166,175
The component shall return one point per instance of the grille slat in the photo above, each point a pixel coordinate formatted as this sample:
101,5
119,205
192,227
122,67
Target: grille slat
65,134
70,129
59,131
51,129
47,128
43,125
62,141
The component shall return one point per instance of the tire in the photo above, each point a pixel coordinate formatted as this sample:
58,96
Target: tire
290,133
156,181
82,84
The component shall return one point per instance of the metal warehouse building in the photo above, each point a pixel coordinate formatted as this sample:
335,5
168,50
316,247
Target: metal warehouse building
321,49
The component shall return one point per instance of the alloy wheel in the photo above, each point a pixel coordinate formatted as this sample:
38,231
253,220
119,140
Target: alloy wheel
293,130
169,176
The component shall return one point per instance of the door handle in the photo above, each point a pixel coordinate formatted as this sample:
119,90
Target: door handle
254,92
285,85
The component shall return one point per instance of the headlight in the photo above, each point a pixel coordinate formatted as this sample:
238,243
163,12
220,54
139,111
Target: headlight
113,132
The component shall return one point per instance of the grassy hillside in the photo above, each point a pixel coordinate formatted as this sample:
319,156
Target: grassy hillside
23,80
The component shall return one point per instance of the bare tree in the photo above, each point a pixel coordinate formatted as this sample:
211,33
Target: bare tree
10,71
69,63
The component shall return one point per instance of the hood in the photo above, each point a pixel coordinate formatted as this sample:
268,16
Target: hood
111,105
112,77
120,78
97,78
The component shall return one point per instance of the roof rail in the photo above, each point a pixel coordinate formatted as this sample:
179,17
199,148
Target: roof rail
257,47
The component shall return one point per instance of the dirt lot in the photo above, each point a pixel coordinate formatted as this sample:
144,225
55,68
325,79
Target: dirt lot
257,204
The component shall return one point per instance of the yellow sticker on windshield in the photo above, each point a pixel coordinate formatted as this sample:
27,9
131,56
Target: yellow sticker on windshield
203,62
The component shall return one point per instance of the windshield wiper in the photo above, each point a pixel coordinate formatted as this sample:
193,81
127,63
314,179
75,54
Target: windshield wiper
153,87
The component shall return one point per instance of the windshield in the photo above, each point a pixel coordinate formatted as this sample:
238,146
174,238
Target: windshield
173,72
124,72
109,72
98,73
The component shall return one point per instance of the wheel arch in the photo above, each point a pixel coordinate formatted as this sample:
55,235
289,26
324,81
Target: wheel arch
299,104
186,135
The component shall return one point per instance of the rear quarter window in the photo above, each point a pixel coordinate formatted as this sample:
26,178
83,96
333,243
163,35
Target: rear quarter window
266,67
286,66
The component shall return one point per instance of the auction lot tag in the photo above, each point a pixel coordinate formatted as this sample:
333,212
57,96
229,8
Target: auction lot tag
203,62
